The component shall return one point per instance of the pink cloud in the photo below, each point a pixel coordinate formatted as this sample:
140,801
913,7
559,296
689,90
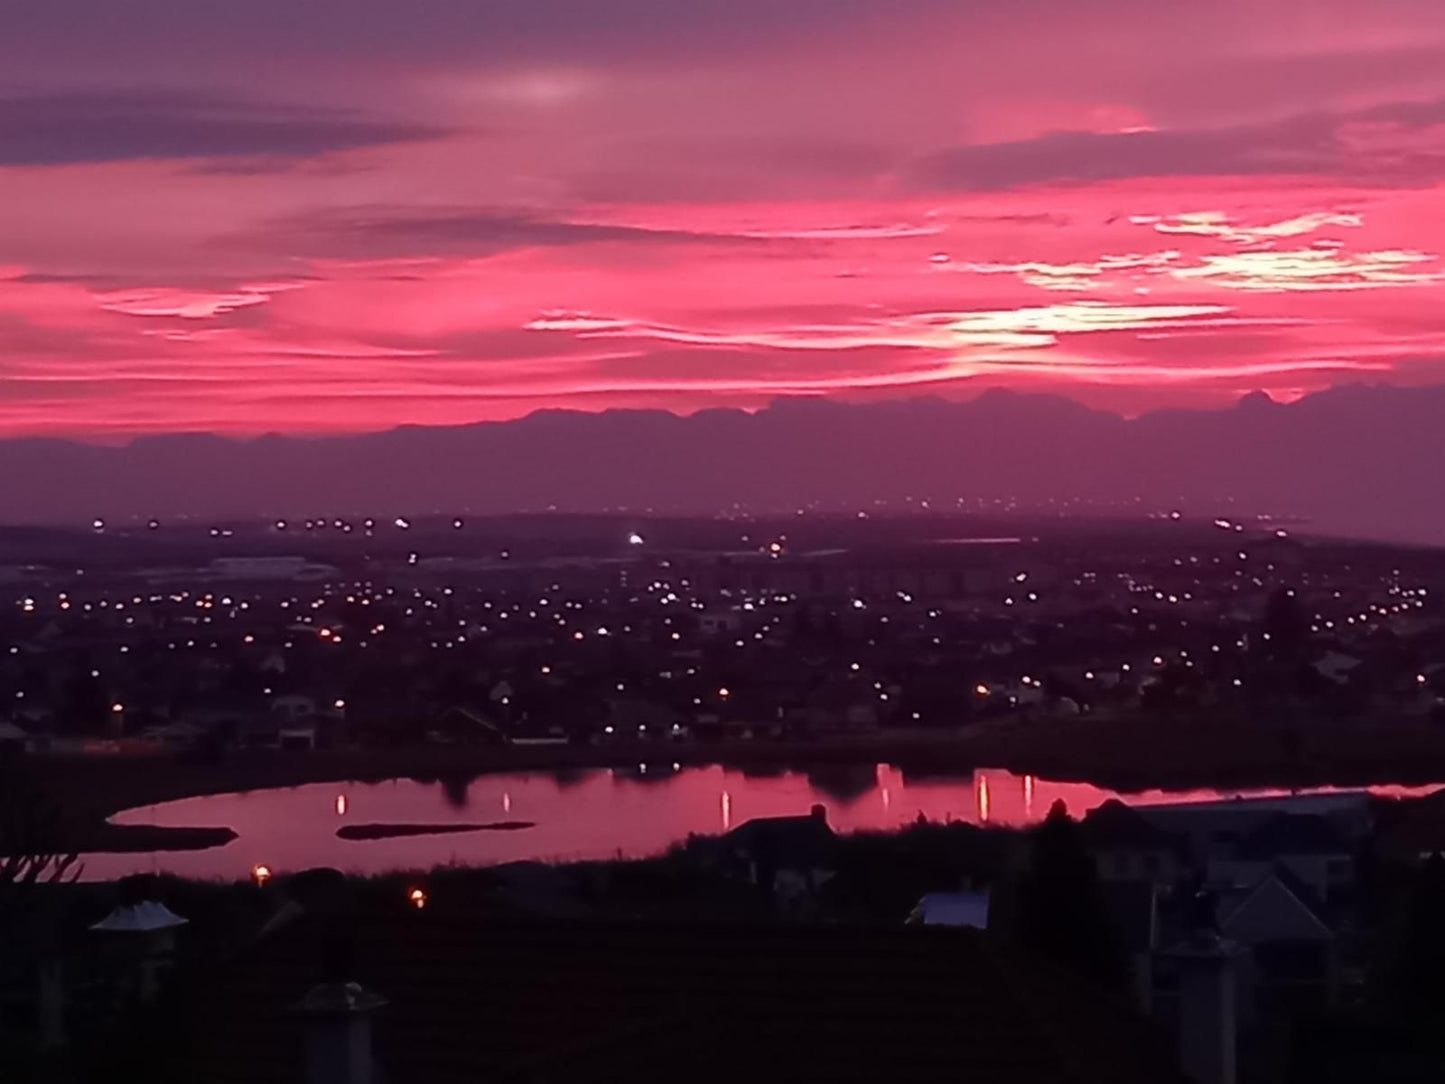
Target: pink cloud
465,218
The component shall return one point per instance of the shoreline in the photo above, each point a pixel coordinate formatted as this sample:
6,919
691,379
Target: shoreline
1125,754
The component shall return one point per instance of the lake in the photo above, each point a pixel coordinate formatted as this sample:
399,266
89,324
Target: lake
589,814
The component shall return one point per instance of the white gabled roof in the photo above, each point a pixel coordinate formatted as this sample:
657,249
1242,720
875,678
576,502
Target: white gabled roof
145,917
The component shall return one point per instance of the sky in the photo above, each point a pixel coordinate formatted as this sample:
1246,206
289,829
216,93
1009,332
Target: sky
345,215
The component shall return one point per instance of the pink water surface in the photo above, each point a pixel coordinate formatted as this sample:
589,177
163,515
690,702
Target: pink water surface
592,814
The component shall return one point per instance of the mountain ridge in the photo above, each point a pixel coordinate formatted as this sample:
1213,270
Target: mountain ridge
1353,459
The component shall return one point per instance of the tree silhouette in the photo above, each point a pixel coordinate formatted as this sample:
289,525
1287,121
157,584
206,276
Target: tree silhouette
35,845
1062,914
1422,949
1286,627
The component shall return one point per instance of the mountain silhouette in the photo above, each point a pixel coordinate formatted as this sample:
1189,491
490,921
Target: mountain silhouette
1358,460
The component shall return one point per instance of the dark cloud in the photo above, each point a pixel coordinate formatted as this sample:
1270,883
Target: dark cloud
76,127
384,233
505,30
1308,144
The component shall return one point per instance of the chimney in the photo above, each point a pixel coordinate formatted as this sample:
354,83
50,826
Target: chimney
1207,1010
819,813
338,1033
337,1015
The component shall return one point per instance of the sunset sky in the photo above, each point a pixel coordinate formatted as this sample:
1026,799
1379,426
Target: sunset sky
349,214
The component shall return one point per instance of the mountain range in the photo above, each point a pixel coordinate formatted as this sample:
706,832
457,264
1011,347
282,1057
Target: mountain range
1363,460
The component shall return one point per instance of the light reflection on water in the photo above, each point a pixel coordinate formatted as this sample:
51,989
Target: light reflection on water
587,814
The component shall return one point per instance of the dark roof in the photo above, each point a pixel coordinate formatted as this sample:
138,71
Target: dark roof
1115,824
473,1000
785,841
1310,908
1289,833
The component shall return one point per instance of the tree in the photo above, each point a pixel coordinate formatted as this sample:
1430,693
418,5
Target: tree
35,845
1421,958
1061,911
1286,627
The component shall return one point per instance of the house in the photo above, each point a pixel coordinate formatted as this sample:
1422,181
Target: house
293,707
1310,847
1127,847
459,725
298,736
1293,960
790,858
1336,667
640,717
1215,828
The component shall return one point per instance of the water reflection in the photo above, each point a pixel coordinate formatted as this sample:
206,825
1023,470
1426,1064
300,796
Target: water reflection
570,777
457,789
589,813
844,782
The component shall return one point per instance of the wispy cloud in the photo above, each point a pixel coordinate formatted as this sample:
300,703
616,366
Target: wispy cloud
120,125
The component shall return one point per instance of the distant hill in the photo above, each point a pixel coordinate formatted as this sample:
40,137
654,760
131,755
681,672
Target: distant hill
1361,460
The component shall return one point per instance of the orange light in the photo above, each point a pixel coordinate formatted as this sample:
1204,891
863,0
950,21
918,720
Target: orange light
260,874
417,898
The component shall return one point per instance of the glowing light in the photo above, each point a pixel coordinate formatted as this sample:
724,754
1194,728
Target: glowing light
260,874
417,898
341,805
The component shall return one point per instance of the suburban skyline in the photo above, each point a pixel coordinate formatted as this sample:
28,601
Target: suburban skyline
345,217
